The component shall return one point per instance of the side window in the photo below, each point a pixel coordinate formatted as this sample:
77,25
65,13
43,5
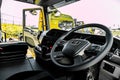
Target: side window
32,20
31,25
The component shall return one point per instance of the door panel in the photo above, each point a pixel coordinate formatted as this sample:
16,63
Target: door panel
30,25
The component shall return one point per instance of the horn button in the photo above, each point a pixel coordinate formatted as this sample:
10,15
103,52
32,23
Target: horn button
74,47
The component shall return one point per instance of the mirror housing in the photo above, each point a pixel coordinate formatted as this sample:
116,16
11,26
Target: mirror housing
33,12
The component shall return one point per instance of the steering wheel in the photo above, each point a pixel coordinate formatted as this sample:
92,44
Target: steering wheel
70,57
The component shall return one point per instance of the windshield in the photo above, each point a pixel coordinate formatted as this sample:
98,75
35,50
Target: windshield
104,12
82,12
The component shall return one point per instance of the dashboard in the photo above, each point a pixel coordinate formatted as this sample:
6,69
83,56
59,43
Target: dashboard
110,65
50,37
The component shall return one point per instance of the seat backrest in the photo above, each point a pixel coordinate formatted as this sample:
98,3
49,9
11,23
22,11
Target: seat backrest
13,51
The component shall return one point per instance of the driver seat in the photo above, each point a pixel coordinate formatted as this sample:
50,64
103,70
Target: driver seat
16,66
31,75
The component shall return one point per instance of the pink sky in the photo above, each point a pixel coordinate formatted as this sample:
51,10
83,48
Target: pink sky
11,8
95,11
106,12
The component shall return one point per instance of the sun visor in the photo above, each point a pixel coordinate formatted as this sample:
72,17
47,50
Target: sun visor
56,3
26,1
64,2
30,1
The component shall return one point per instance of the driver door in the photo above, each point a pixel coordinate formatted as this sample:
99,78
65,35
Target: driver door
31,26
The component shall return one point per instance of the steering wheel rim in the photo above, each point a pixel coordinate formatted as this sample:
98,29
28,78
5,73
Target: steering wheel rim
88,63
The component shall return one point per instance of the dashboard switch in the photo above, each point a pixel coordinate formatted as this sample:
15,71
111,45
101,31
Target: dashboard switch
109,68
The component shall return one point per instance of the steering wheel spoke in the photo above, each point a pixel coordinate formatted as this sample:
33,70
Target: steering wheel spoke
77,59
94,49
57,54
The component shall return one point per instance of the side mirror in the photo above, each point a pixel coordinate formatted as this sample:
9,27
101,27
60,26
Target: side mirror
57,14
33,12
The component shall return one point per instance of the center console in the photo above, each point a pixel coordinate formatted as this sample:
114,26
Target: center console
109,71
